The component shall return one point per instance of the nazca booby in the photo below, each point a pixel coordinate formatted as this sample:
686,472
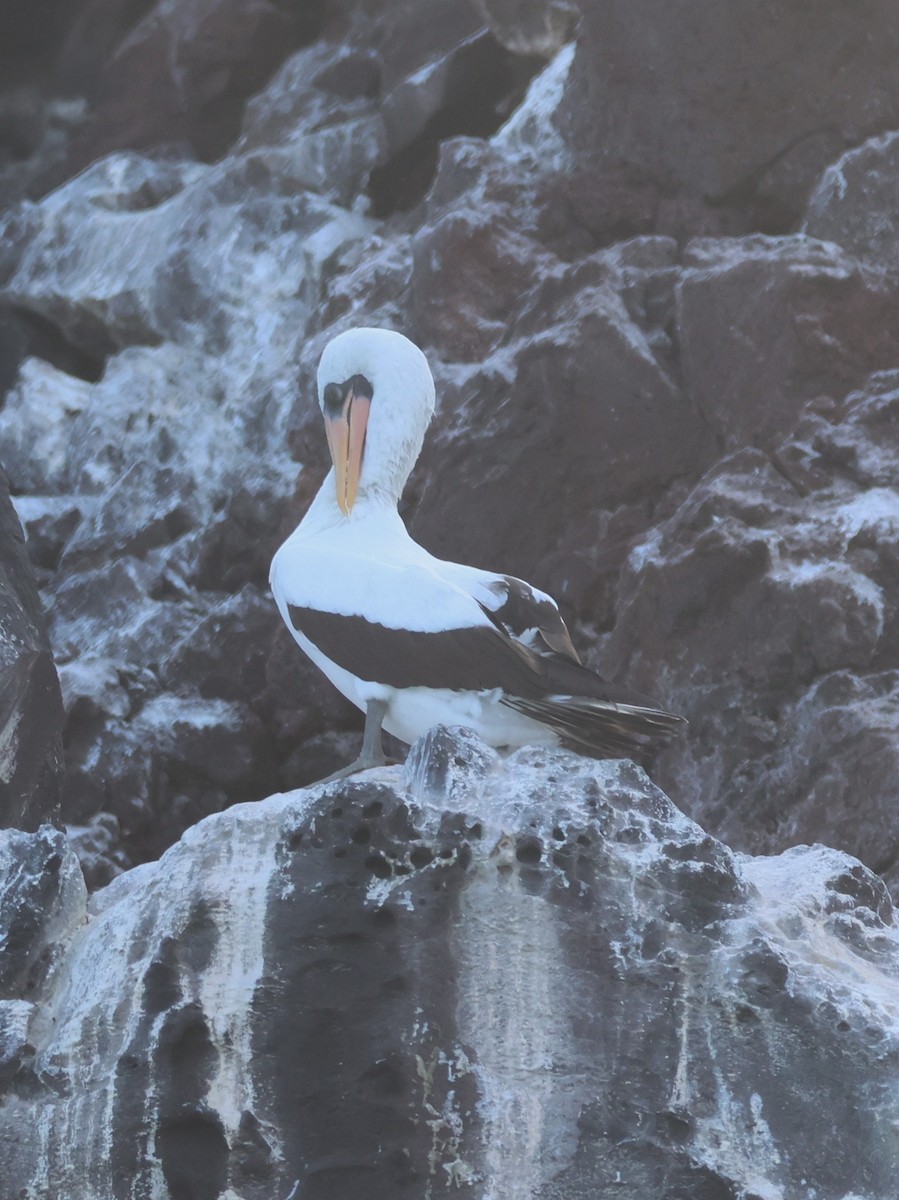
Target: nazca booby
412,640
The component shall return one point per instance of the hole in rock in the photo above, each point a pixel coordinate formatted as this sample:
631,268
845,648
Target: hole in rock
421,856
373,810
378,866
485,83
529,850
362,835
162,989
194,1155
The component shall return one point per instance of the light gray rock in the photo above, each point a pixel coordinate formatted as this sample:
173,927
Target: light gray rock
318,118
42,902
528,28
523,979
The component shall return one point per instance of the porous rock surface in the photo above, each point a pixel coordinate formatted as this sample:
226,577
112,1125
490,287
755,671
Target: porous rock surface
471,977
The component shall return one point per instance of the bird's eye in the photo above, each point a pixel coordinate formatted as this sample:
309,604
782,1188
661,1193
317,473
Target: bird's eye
333,397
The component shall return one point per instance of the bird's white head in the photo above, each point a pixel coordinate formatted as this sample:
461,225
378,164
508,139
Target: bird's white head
376,394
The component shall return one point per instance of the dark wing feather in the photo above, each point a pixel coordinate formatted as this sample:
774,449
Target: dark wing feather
472,659
530,618
603,729
588,713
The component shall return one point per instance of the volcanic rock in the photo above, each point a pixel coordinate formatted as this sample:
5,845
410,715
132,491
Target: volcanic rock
528,423
739,107
852,204
674,408
825,320
765,607
181,74
31,708
528,28
519,979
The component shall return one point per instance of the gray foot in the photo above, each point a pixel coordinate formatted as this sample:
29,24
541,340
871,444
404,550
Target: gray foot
363,763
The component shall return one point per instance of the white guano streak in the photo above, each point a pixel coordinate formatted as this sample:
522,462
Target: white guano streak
512,1012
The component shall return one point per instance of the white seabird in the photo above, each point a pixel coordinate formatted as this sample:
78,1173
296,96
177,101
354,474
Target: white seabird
412,640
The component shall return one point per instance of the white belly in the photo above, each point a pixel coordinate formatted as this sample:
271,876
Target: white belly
411,712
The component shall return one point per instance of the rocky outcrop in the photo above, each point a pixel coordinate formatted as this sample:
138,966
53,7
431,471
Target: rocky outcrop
530,978
31,713
666,379
739,109
653,261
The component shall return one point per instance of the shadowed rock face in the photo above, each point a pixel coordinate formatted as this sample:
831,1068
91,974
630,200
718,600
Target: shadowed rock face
530,978
701,97
31,713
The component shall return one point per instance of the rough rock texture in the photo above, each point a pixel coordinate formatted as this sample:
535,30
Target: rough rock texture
668,382
31,712
739,106
770,594
853,202
472,978
653,258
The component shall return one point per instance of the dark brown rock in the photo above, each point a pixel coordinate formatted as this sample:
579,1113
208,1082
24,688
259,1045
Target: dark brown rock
765,610
409,35
30,38
853,206
740,105
182,73
766,324
469,274
560,416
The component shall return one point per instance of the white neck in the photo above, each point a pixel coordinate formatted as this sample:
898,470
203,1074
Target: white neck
372,504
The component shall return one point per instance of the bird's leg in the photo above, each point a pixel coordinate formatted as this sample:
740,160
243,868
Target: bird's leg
372,754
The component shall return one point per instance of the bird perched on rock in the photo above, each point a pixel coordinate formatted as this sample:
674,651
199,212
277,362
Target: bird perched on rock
412,640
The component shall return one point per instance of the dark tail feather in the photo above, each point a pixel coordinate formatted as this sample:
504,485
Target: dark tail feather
603,728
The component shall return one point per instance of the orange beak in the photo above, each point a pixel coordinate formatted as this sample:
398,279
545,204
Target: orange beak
346,441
